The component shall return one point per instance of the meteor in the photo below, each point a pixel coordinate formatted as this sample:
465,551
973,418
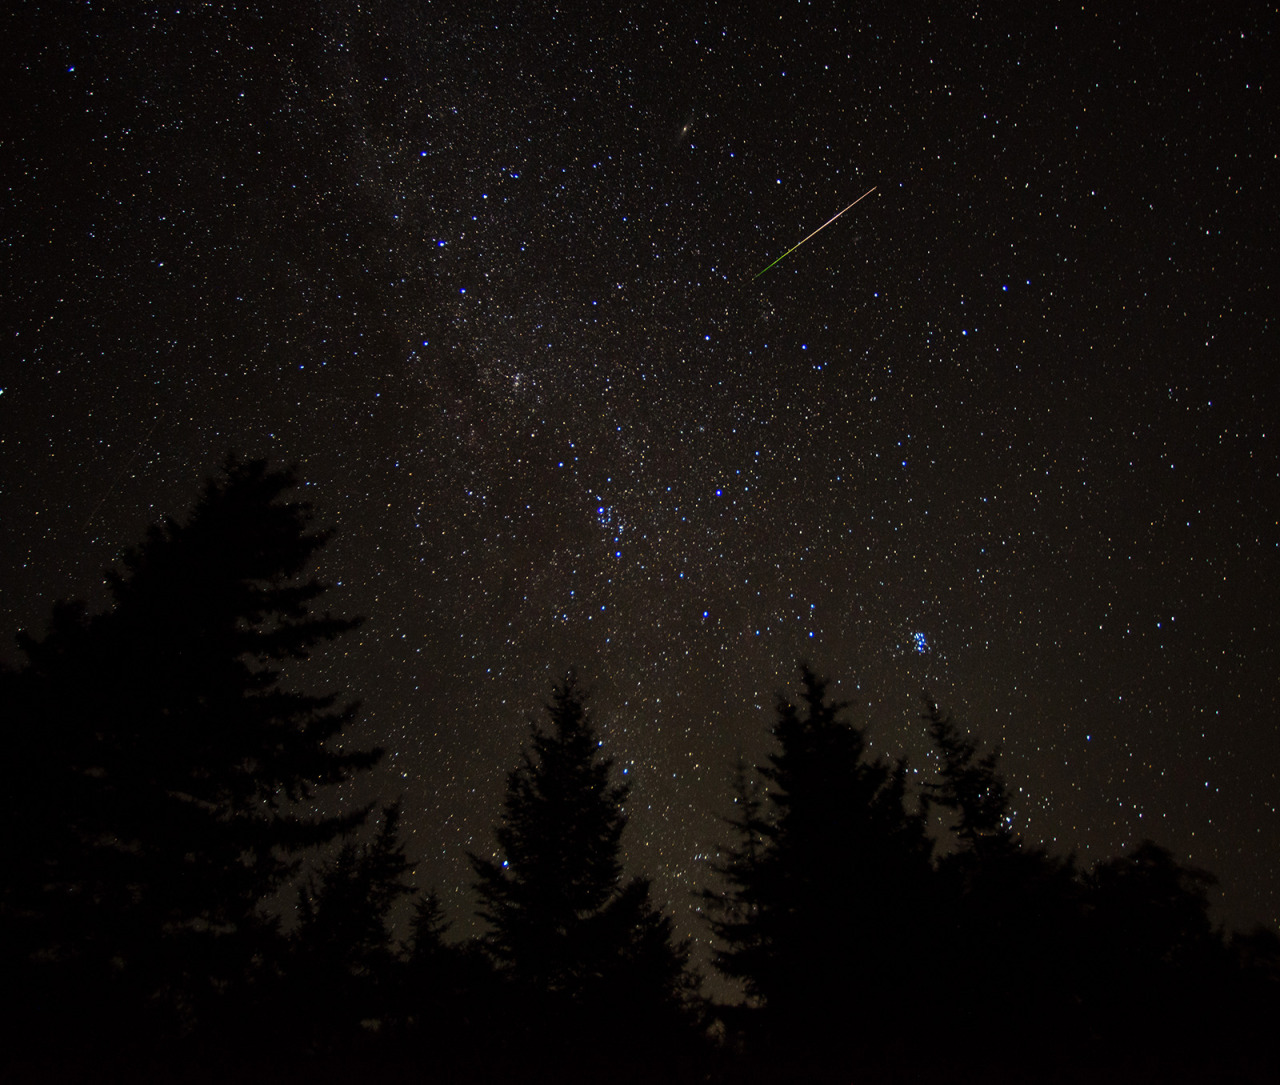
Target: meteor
818,230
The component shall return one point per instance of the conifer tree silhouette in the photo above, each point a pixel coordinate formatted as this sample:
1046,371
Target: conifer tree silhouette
827,886
1010,934
427,928
449,998
730,907
1157,961
969,786
345,904
346,963
182,763
563,926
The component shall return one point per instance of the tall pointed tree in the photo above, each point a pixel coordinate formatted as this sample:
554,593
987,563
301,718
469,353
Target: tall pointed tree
968,786
1011,936
828,884
562,821
183,763
730,907
1157,961
344,906
346,967
562,923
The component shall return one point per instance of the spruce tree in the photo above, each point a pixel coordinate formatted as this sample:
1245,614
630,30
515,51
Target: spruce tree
449,1000
427,929
346,967
1156,961
564,927
825,892
730,908
183,763
969,787
344,906
1010,933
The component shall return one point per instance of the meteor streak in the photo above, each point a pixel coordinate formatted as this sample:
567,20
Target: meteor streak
818,230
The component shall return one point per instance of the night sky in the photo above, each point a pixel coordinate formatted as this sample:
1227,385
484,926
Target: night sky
1005,431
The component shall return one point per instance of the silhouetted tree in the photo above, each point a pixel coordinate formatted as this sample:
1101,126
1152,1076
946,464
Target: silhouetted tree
450,1001
827,888
343,907
969,786
1010,937
563,927
647,990
1151,908
170,763
1255,1003
345,954
1157,960
730,907
427,928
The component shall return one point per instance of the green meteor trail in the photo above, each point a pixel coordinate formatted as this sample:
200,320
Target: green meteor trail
820,228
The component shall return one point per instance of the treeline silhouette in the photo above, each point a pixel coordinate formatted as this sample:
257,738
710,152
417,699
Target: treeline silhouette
161,804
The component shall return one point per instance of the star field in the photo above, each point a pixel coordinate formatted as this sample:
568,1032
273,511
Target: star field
1004,431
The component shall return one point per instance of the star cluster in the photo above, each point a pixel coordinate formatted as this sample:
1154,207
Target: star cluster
1004,431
